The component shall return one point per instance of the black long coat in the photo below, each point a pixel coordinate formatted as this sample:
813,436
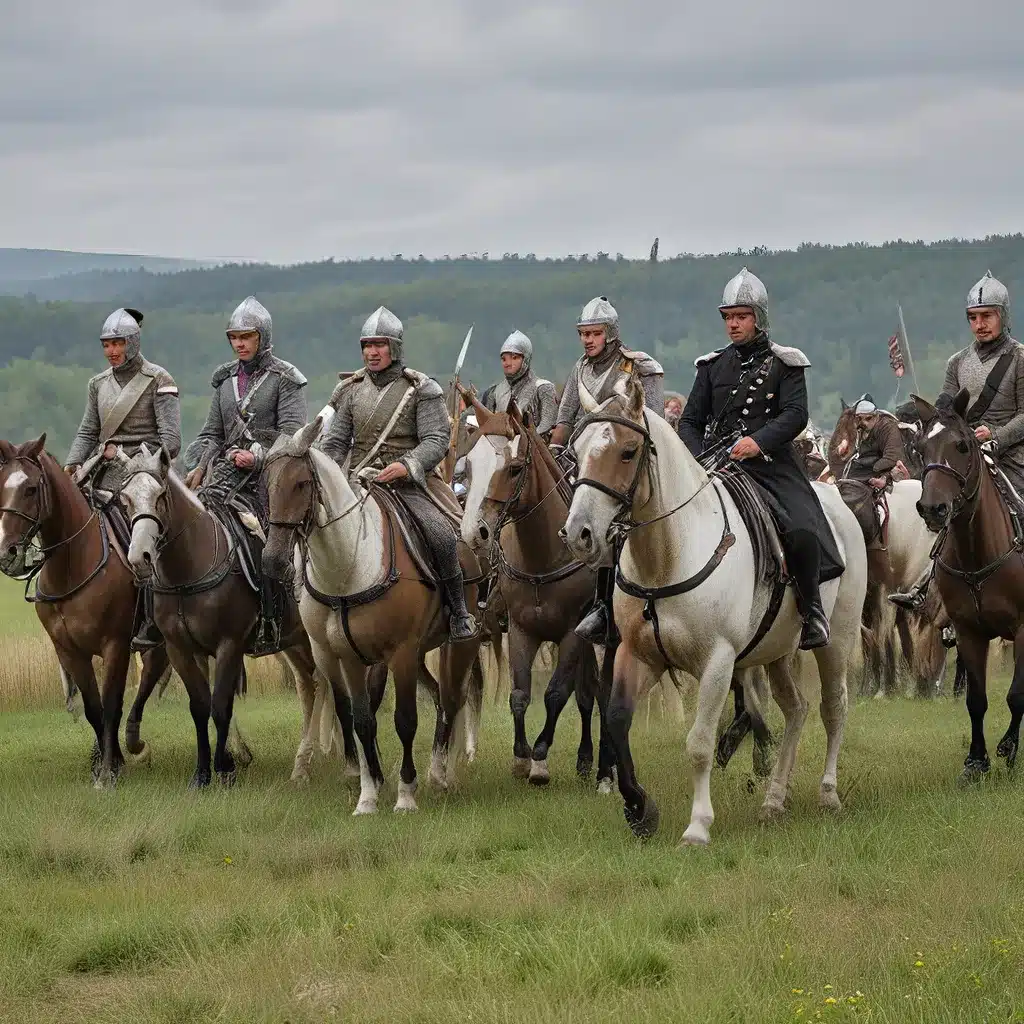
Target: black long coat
758,390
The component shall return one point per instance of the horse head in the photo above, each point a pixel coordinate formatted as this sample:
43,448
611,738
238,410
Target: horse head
843,440
954,466
490,453
613,449
144,496
25,501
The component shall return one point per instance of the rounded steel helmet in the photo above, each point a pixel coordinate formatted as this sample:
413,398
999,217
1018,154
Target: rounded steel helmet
746,289
519,344
124,323
601,311
252,315
864,406
382,323
990,292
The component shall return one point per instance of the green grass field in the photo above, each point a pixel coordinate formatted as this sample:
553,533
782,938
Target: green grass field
504,903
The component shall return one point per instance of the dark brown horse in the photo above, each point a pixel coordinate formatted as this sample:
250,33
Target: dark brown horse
205,607
85,593
979,563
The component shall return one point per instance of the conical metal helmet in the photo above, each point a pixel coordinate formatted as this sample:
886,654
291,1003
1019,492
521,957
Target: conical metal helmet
990,291
382,323
252,315
600,311
126,324
519,344
746,289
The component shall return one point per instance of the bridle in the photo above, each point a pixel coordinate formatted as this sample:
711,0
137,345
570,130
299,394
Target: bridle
308,523
507,506
963,499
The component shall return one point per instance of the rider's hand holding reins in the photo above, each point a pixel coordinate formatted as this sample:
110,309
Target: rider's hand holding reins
744,448
194,478
982,433
395,471
243,459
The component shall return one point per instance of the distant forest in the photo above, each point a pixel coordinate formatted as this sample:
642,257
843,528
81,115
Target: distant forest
838,304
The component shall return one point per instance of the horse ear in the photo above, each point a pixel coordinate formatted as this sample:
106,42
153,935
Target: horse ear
6,450
962,400
144,450
32,449
924,409
514,414
634,398
842,403
165,459
307,435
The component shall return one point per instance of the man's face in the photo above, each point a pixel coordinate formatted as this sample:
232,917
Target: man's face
511,363
113,349
740,324
592,337
377,354
673,407
867,420
986,323
244,343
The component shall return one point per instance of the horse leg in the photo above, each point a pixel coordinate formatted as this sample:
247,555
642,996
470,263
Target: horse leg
405,667
556,696
712,692
605,747
79,670
522,651
227,673
193,674
474,706
116,656
154,664
455,664
794,709
737,729
833,708
299,665
1007,748
632,677
959,676
364,722
973,649
586,691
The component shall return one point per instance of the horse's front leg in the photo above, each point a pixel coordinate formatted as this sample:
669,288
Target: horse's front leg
405,668
227,673
522,649
1007,748
605,747
155,664
556,696
700,741
632,677
78,669
973,651
116,656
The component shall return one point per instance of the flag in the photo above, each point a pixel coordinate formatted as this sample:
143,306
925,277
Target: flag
896,356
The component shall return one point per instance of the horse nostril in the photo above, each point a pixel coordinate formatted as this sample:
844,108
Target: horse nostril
147,557
585,536
484,532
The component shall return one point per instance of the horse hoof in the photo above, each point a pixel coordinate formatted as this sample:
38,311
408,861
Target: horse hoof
539,774
520,767
200,780
695,835
605,787
1007,750
364,807
143,755
351,769
771,812
105,781
470,755
643,820
227,779
828,799
299,779
764,760
584,766
974,771
406,802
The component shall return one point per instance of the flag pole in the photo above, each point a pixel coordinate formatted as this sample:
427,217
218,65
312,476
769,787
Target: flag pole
905,346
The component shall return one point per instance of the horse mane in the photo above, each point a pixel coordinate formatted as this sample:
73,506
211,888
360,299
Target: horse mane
499,424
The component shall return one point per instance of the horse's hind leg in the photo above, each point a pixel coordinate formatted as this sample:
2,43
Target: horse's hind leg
299,664
116,656
735,732
835,702
556,696
455,664
474,705
154,665
79,670
602,681
522,651
973,649
586,692
794,709
1007,748
405,668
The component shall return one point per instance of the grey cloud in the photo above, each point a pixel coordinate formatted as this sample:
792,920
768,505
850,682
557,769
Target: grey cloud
290,129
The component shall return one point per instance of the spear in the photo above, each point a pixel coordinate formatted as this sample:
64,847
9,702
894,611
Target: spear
454,439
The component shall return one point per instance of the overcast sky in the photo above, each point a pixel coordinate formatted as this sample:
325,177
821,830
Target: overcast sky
288,130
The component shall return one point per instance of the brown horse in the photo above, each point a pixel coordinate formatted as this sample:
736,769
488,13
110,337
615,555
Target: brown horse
979,563
518,500
204,606
365,601
85,593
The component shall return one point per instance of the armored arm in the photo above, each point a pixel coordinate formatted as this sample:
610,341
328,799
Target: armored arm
432,430
1012,433
167,409
545,408
696,413
213,435
951,385
337,442
88,436
654,392
793,415
569,407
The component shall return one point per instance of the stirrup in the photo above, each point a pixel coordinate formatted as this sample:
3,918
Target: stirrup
462,628
268,640
948,637
912,600
597,626
147,638
815,632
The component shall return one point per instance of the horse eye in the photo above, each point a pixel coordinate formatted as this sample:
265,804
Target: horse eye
30,491
962,447
629,453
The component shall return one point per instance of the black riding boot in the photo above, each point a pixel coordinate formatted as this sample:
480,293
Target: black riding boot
461,625
805,565
268,632
598,625
147,636
913,599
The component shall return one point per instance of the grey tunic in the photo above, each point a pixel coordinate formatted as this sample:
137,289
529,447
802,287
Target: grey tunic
969,369
419,437
155,419
274,403
592,382
532,394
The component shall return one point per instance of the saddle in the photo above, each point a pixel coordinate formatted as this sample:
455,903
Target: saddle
769,557
870,509
1012,497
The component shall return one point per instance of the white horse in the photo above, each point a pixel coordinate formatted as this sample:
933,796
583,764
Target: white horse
362,603
633,464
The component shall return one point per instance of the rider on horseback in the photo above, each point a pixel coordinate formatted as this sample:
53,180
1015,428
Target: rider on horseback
532,394
256,397
992,370
750,400
879,446
135,402
393,419
602,371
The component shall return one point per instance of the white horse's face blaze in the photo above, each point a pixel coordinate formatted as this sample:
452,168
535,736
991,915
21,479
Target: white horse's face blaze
22,491
943,444
602,456
488,456
141,497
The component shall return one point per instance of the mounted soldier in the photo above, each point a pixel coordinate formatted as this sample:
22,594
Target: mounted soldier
532,394
992,370
749,403
132,403
879,446
256,397
602,371
392,426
